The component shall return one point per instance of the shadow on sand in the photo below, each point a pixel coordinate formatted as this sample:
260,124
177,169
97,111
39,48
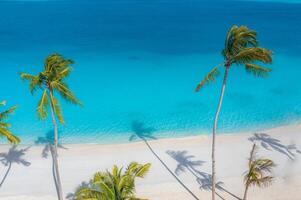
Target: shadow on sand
13,156
270,143
146,133
47,141
72,196
187,162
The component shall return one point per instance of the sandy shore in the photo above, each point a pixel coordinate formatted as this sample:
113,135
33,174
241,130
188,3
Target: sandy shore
31,178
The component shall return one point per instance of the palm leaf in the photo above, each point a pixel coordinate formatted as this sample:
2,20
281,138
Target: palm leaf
257,70
237,39
106,191
9,136
34,81
65,72
210,77
57,109
6,113
143,170
253,54
43,105
64,91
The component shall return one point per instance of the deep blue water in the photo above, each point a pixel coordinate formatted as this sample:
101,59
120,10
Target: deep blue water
139,61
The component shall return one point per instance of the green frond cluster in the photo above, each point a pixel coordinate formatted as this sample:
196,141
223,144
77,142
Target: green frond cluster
249,55
210,77
259,172
4,126
257,70
51,80
113,185
238,38
241,47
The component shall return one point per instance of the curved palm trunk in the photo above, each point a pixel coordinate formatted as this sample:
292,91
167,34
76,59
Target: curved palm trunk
55,154
214,129
250,161
5,176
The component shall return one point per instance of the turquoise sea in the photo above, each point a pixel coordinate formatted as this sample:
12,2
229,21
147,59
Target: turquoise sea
137,63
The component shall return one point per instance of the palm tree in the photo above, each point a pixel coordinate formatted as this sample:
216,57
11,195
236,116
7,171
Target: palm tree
52,80
257,172
115,185
241,48
4,126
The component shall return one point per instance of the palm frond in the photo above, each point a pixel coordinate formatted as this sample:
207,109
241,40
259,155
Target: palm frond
142,170
253,54
9,136
237,39
34,81
43,105
257,70
57,109
65,72
56,63
64,91
5,114
210,77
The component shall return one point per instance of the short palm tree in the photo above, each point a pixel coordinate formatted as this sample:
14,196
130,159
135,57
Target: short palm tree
115,185
241,48
258,172
4,126
51,81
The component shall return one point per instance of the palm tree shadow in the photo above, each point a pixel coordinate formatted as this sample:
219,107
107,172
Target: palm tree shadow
270,143
13,156
142,132
146,133
186,162
47,141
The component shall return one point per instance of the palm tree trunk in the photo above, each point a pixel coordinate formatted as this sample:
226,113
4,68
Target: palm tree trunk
250,161
5,176
55,154
246,191
214,129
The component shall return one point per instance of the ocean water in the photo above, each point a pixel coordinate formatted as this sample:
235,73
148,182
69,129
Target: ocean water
137,63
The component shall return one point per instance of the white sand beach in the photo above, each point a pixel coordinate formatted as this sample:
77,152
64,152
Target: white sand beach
31,179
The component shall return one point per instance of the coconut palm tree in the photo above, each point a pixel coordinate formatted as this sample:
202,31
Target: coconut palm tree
115,185
4,126
257,174
241,48
51,81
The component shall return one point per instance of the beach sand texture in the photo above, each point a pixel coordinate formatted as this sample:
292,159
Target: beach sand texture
180,166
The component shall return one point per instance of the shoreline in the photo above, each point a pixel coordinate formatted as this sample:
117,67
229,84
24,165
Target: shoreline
78,162
180,134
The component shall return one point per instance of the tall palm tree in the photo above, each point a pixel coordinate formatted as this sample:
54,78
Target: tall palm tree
115,185
257,172
51,81
4,126
241,48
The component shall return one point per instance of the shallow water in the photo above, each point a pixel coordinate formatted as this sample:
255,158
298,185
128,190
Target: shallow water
137,63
